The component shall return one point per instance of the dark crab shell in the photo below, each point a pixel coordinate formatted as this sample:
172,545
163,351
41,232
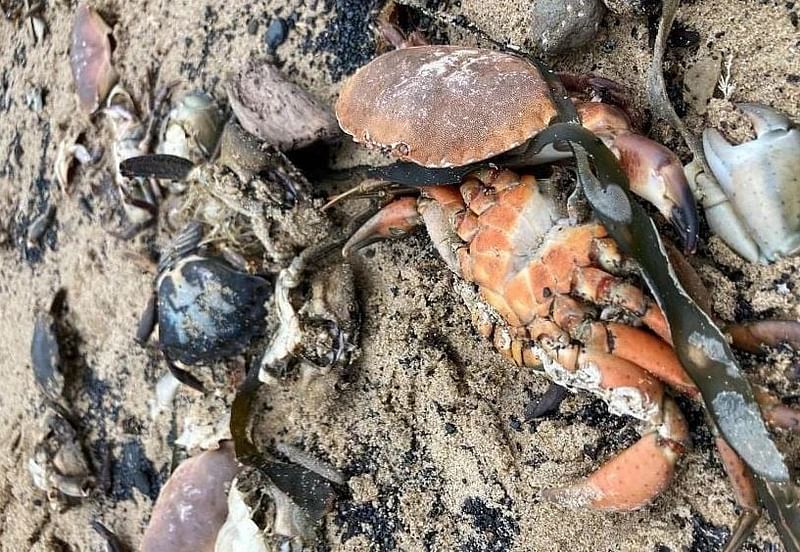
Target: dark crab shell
445,106
208,310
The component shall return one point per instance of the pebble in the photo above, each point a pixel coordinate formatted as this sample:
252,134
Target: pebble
276,33
561,25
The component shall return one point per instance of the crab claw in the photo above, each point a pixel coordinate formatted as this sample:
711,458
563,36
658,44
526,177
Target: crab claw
760,180
656,174
396,219
634,477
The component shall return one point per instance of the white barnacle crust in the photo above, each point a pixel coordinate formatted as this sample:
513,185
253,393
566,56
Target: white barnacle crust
714,350
620,400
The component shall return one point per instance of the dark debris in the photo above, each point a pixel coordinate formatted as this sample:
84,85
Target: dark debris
349,40
495,529
376,520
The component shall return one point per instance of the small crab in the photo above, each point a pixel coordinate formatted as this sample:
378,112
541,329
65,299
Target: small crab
451,106
756,207
206,308
551,292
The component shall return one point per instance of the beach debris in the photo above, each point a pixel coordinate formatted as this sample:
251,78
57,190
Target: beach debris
275,110
561,25
58,465
275,34
46,356
725,81
34,99
139,197
69,151
404,102
755,209
256,181
631,7
192,128
204,434
553,301
700,80
39,225
90,58
192,506
322,333
206,308
262,516
113,542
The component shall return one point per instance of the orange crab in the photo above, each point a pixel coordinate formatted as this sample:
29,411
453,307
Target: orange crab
553,294
450,106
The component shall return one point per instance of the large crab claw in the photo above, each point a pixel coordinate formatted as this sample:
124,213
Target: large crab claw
655,173
756,207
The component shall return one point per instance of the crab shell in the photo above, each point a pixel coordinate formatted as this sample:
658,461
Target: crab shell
445,121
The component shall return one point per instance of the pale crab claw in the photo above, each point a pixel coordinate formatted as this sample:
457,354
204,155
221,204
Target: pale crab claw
756,207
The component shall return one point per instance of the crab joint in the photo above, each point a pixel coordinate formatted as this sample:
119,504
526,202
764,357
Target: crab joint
656,174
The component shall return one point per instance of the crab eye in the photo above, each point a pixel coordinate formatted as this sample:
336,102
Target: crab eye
403,149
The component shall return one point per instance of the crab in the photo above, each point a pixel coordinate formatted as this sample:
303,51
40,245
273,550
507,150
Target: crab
205,307
755,209
553,293
430,105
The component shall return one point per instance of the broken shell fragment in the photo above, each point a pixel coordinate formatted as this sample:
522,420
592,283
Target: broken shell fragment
45,356
90,58
755,209
276,110
58,465
192,505
300,499
192,129
68,151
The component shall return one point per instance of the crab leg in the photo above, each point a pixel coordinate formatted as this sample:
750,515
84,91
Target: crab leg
655,173
395,220
635,476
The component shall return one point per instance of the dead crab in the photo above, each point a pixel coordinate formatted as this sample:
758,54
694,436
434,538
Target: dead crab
552,294
755,209
205,308
397,103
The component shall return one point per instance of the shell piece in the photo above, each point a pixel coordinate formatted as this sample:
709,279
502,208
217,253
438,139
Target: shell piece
90,58
761,181
45,356
192,129
445,106
192,506
276,110
57,464
239,533
207,309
